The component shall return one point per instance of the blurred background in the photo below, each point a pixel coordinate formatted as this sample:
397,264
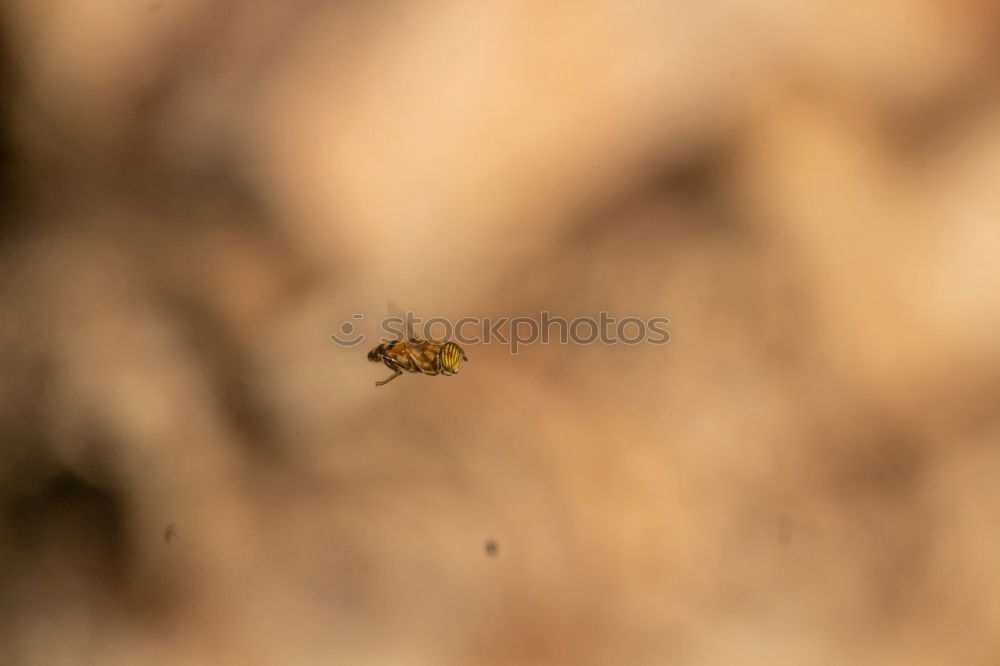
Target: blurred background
196,193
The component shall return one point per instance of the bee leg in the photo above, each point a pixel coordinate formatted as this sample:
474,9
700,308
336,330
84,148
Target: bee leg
391,377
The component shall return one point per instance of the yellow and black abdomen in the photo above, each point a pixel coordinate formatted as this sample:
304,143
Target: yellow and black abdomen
451,356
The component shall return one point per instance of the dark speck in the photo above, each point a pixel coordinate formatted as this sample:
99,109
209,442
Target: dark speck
492,549
169,533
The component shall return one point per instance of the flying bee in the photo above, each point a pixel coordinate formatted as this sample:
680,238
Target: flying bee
429,357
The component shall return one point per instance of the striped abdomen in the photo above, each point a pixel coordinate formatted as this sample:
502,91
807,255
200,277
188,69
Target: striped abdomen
451,357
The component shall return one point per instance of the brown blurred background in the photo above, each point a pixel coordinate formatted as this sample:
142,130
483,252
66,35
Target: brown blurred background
195,194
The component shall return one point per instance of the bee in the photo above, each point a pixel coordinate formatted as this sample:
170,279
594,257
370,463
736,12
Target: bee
429,357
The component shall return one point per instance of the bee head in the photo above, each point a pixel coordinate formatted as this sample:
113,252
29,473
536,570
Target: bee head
377,353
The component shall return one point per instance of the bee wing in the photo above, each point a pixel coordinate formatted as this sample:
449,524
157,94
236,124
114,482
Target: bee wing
396,311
